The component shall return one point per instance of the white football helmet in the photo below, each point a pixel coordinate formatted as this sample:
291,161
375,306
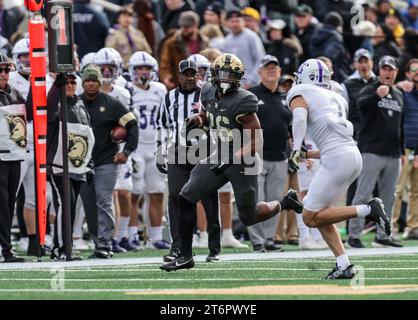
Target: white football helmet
142,59
21,48
314,71
109,56
203,64
87,59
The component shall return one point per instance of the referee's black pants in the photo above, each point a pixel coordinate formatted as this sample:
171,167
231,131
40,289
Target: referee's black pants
9,181
178,175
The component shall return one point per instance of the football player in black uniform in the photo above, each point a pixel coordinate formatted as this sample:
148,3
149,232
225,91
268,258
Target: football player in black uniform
229,112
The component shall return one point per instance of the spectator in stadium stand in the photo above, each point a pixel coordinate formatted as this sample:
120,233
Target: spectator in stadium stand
409,174
91,27
384,44
283,45
213,16
281,9
382,9
323,7
125,38
246,44
252,20
328,41
179,46
173,10
409,51
144,20
394,22
305,27
10,18
410,16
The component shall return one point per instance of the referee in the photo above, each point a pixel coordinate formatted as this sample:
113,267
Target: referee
179,104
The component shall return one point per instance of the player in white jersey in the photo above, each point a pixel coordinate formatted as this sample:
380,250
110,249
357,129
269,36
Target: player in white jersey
147,97
321,113
110,63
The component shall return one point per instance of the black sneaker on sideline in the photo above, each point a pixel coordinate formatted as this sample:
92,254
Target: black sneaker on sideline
101,253
180,263
11,257
291,201
259,248
172,255
337,274
381,243
355,243
378,215
272,247
213,257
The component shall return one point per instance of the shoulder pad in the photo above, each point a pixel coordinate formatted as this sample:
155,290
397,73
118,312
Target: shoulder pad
245,102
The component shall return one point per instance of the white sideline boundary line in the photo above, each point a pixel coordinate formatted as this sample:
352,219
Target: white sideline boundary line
139,269
185,280
274,256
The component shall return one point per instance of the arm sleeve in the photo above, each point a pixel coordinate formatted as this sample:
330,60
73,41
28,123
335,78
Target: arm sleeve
300,116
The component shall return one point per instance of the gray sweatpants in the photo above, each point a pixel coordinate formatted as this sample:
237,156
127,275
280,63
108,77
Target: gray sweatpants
385,171
97,197
271,184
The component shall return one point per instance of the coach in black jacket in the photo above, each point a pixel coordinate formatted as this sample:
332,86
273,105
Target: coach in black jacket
105,113
381,143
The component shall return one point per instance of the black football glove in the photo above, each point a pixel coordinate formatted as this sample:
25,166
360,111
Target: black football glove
162,167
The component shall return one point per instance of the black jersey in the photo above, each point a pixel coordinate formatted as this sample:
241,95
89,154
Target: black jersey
223,115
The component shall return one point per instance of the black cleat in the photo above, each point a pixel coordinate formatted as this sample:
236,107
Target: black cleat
213,257
101,254
341,274
291,201
172,255
180,263
272,247
11,258
378,215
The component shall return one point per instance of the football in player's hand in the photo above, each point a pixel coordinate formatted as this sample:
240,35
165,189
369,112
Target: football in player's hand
118,134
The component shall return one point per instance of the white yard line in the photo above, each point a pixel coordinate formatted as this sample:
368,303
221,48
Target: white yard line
225,257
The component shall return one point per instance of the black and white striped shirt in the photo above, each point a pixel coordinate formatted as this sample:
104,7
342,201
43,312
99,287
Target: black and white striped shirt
175,108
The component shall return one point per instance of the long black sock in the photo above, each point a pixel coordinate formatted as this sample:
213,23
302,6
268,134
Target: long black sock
187,220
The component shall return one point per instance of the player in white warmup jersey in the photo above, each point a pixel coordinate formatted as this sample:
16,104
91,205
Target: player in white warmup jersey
147,97
20,81
110,63
321,113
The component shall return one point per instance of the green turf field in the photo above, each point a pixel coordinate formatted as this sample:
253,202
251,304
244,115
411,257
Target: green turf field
392,276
